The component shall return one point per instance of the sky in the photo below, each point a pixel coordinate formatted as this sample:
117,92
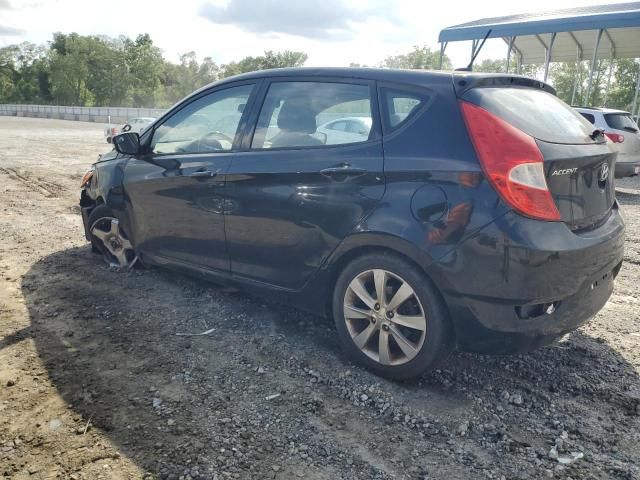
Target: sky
331,32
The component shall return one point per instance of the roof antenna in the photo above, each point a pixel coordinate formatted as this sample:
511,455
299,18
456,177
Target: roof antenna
469,67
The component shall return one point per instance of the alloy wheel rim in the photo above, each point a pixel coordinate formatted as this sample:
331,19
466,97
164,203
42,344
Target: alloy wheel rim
384,317
116,247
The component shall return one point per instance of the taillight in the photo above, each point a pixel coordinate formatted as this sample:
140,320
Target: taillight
512,162
615,137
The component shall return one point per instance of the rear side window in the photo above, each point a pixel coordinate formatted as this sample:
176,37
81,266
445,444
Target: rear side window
313,114
590,118
621,121
399,106
536,112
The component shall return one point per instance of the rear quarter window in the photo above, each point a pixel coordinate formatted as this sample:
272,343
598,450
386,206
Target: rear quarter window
590,118
536,112
399,106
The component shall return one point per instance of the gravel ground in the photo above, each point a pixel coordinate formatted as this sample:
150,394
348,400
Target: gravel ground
95,383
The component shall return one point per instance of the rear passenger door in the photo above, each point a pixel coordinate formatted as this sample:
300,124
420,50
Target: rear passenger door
291,196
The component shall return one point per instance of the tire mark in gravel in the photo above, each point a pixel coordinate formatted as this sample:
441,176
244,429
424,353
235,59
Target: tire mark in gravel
44,187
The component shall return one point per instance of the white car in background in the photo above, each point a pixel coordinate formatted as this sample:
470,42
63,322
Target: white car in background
134,125
345,130
620,128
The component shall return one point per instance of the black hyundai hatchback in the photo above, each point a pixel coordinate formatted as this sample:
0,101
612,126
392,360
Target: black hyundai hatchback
424,211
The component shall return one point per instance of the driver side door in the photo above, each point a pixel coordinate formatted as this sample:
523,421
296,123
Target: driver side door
176,190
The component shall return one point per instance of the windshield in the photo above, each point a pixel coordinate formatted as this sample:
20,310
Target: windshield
621,121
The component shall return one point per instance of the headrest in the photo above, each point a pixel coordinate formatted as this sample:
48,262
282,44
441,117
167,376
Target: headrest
297,116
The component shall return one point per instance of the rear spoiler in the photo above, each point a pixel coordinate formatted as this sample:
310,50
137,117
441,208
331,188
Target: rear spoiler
464,81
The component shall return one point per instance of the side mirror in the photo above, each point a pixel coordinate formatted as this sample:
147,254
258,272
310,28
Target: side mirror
127,143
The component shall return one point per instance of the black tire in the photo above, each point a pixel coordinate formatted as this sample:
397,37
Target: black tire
439,339
97,213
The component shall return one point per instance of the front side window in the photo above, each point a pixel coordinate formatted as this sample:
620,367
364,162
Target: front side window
206,125
313,114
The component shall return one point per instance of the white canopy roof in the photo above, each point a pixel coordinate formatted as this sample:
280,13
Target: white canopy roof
575,29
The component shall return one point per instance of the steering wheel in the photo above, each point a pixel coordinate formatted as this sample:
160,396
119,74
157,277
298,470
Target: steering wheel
210,142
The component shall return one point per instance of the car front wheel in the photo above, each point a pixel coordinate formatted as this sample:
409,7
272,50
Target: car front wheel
109,238
389,318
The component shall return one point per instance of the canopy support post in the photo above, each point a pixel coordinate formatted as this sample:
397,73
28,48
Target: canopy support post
612,55
509,49
578,62
443,47
520,64
576,76
474,45
547,60
606,91
635,97
593,66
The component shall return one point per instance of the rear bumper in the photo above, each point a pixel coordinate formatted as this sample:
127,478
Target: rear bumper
520,283
627,167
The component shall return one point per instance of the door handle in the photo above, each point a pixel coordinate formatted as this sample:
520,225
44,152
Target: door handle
342,170
206,173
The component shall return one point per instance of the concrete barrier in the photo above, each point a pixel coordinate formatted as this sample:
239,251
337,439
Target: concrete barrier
118,115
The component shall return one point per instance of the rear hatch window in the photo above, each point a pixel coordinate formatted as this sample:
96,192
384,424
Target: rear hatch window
578,162
621,121
535,112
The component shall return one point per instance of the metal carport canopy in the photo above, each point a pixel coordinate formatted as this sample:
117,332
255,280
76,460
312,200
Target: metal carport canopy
575,30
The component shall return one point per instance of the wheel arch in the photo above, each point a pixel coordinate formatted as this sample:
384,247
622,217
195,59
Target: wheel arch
368,243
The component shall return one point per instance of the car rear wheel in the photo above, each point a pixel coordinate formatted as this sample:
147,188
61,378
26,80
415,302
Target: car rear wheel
389,318
109,238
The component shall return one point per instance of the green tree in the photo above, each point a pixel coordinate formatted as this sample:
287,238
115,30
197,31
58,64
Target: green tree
270,59
421,58
8,73
69,70
563,76
108,71
489,65
189,75
146,66
623,84
24,73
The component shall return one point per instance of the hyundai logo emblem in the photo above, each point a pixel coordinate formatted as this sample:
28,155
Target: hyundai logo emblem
604,172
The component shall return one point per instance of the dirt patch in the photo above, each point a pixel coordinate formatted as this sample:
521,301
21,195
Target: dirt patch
95,383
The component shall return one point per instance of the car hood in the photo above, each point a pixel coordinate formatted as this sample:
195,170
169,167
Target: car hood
110,155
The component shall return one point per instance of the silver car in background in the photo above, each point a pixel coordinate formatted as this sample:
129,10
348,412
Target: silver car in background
620,128
137,125
345,130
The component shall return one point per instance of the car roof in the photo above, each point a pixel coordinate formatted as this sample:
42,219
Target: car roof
346,72
410,76
600,109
